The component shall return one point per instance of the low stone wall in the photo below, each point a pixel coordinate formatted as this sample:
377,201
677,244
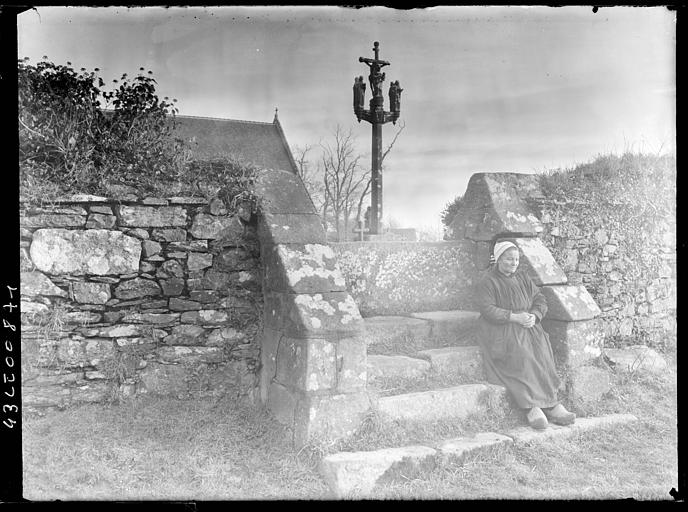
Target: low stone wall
391,278
628,267
127,296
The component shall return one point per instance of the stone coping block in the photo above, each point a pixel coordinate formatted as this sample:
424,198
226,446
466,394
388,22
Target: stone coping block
456,450
454,402
312,315
290,228
348,473
496,205
191,201
539,262
95,251
282,192
302,268
571,303
529,435
466,361
405,368
151,216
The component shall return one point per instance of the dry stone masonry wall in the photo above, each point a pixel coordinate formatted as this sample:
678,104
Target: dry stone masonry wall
129,296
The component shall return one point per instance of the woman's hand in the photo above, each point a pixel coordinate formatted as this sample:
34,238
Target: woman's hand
527,320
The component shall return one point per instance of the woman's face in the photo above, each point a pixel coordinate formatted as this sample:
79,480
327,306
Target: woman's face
508,261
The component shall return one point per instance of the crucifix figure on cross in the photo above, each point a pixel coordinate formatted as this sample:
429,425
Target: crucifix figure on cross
375,65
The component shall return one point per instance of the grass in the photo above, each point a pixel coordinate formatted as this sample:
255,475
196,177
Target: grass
167,449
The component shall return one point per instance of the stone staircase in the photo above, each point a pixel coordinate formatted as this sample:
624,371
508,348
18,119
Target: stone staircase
427,367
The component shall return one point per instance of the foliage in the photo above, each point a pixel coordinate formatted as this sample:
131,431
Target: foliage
450,210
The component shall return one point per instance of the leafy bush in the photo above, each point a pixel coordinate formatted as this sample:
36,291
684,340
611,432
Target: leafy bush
450,210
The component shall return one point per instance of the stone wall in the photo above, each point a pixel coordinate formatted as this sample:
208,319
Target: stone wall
629,267
391,278
127,296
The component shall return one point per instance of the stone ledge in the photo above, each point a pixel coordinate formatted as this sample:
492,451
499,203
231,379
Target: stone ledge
524,435
466,361
396,368
456,450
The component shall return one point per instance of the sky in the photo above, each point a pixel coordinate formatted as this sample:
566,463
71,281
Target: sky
486,89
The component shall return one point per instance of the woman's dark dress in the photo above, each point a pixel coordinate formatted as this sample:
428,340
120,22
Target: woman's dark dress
516,357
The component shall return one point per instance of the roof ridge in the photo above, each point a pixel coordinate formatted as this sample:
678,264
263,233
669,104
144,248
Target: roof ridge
224,119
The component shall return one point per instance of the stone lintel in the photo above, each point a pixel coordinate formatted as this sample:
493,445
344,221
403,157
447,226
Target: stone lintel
570,303
302,268
282,192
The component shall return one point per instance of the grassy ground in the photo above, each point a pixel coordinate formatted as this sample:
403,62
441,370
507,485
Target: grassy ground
203,450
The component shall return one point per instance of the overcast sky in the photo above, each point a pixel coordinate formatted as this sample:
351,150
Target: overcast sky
509,89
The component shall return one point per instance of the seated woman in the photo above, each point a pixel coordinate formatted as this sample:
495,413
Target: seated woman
516,350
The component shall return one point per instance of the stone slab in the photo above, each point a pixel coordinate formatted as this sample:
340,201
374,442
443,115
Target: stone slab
388,330
347,473
454,327
454,402
290,228
151,216
524,435
95,251
210,227
456,450
302,268
91,293
37,283
53,220
538,262
465,361
283,192
135,288
570,303
397,368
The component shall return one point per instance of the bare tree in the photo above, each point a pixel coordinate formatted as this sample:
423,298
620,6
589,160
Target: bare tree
343,178
311,177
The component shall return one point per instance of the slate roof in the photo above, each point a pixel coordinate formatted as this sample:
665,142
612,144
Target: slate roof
262,144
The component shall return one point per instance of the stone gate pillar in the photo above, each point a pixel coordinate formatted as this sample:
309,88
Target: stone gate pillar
495,208
313,352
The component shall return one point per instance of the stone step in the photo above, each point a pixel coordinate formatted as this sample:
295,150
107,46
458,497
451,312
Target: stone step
455,362
389,335
355,474
451,327
446,403
397,369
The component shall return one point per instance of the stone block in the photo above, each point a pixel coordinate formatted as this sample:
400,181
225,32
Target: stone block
98,221
151,216
82,317
574,343
317,315
396,368
392,330
282,403
38,284
306,364
328,417
352,365
354,474
190,245
91,293
169,235
226,336
186,334
453,327
465,361
302,268
103,210
164,379
290,228
538,262
192,201
637,358
177,304
137,287
456,450
455,402
204,296
216,280
211,227
170,268
283,192
173,286
569,303
235,259
177,255
150,248
199,261
53,220
122,330
159,319
588,383
205,317
95,251
155,201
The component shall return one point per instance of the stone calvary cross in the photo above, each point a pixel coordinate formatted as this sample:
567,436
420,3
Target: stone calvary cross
376,116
